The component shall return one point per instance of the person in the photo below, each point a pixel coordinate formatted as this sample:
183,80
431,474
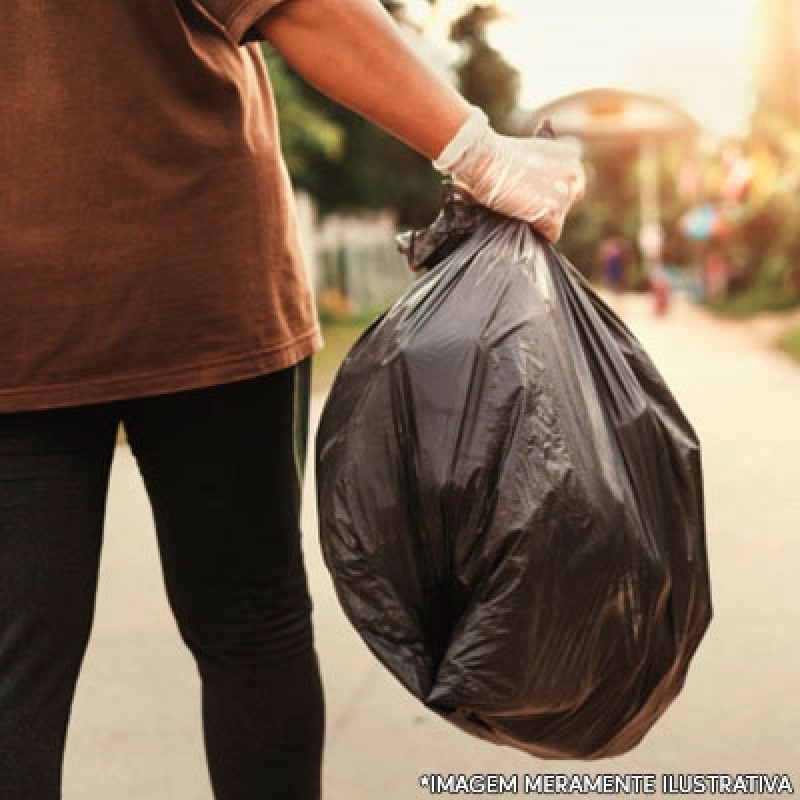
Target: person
717,270
661,289
613,261
615,267
151,277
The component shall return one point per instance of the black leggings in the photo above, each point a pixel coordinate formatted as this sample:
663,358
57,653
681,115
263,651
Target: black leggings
222,468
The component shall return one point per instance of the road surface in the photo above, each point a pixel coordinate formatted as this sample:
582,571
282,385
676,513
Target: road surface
136,723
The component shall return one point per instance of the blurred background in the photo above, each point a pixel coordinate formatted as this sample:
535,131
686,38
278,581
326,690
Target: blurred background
688,113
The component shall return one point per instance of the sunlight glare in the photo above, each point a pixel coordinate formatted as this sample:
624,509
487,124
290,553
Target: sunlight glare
691,52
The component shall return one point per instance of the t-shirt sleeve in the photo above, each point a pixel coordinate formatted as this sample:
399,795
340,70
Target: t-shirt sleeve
238,17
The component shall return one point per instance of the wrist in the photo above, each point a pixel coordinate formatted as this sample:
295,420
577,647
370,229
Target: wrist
474,128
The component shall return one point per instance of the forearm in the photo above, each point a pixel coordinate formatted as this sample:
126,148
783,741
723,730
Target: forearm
352,51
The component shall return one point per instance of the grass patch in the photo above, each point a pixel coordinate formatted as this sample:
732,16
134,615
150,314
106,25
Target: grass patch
340,334
755,301
789,342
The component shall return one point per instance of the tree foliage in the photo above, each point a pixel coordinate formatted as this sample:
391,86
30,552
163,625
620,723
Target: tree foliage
344,162
485,78
308,135
610,209
347,163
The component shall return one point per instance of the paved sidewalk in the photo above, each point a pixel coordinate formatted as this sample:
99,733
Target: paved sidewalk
136,724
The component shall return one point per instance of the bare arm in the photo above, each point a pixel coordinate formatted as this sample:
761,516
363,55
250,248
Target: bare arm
352,51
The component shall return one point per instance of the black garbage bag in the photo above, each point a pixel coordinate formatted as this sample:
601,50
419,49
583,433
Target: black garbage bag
510,500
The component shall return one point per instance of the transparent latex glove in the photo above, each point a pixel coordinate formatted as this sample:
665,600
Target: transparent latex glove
533,179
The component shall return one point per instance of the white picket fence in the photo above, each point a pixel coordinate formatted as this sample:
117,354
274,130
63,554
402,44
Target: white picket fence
353,260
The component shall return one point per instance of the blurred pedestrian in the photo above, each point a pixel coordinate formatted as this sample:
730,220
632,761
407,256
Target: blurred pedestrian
716,270
151,276
661,289
615,265
613,260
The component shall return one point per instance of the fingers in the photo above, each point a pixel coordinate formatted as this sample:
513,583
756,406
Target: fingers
540,181
533,179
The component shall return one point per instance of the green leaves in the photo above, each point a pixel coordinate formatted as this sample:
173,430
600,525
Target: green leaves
348,164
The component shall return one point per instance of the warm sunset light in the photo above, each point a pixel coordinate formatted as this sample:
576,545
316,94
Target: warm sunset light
696,54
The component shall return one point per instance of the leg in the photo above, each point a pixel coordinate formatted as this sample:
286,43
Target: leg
54,468
220,466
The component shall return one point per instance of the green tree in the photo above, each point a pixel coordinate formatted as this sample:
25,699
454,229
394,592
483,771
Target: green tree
611,207
347,163
308,135
485,78
372,171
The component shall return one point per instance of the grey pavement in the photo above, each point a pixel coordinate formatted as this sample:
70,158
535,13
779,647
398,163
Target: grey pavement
136,724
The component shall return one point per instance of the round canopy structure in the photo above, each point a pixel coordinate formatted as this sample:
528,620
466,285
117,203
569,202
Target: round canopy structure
616,114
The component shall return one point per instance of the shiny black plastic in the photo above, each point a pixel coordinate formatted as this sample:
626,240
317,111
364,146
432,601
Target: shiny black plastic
510,500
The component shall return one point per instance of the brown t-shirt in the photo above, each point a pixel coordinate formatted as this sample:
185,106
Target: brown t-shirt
147,237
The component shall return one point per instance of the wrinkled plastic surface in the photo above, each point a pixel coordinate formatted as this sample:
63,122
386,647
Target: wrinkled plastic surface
510,499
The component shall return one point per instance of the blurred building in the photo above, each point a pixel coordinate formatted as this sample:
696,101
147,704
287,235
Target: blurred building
776,50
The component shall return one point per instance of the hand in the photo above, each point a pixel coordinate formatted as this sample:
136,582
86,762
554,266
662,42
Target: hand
533,179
